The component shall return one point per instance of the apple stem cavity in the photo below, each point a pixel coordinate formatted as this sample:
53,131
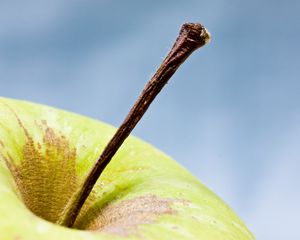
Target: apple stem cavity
191,37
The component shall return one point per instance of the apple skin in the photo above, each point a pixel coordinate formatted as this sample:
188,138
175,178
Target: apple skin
175,204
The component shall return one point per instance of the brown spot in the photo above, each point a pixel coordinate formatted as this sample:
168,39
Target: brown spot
125,217
45,176
1,143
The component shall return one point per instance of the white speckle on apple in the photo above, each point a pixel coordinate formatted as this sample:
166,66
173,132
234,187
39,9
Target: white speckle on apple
67,129
132,153
86,235
5,189
97,150
42,228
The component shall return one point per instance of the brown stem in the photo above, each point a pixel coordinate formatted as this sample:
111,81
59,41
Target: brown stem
191,37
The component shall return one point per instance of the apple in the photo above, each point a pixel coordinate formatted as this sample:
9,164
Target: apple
54,184
142,193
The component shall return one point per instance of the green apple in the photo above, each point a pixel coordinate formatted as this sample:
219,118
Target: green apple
142,194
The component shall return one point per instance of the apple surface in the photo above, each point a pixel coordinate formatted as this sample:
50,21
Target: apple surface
46,153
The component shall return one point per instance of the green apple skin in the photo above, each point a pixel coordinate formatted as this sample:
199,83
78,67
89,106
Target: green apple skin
138,169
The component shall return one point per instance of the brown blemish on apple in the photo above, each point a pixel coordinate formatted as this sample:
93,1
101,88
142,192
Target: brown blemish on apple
45,175
1,144
125,217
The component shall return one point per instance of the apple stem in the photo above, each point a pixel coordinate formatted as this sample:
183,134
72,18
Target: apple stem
191,37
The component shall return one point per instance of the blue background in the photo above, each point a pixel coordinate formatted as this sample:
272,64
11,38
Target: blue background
231,114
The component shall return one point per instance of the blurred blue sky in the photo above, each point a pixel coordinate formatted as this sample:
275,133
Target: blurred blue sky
231,114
